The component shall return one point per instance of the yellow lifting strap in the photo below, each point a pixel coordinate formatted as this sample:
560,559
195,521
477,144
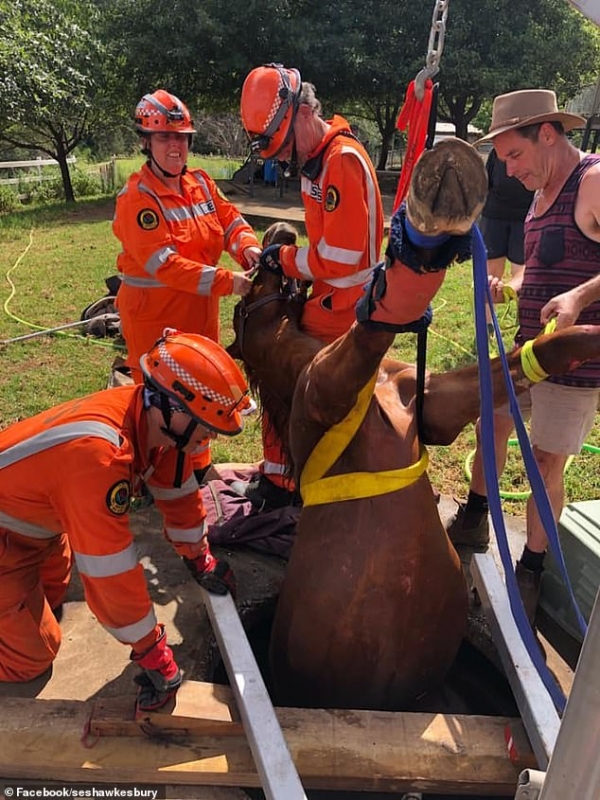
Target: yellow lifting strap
529,363
317,490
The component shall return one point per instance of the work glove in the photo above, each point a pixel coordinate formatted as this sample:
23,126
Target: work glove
394,301
427,234
270,259
213,574
161,676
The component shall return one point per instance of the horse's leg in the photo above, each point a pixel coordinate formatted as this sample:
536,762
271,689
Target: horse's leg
338,372
452,398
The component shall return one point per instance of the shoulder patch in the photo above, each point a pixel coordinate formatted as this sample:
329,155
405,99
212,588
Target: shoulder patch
147,219
332,198
118,498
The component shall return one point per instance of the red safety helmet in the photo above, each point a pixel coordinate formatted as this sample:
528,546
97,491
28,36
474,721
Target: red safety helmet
268,107
162,112
201,377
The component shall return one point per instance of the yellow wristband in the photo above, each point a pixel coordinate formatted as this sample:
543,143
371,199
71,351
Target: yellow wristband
531,366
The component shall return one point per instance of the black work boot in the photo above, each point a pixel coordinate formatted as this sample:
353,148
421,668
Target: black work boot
265,495
469,528
529,583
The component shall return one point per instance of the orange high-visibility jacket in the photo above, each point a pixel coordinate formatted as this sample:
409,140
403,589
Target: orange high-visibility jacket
73,469
344,225
171,246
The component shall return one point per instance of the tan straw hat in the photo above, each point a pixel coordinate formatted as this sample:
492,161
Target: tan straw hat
528,107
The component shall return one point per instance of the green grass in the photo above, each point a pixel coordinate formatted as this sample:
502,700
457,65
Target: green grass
57,258
218,167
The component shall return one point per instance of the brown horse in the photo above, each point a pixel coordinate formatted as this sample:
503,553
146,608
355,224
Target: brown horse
374,604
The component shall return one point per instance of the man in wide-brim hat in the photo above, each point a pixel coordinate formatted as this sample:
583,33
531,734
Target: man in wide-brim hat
528,107
561,280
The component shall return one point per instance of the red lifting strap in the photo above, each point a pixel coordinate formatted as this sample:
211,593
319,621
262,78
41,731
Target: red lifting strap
414,114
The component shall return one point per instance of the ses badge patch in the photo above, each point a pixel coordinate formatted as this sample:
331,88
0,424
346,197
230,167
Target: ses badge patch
147,219
332,198
118,498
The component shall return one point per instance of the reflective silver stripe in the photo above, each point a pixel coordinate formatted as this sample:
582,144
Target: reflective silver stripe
341,255
356,279
190,212
26,528
144,283
188,535
306,186
273,468
372,192
302,264
164,493
136,631
238,222
108,565
207,279
158,258
178,213
147,190
55,436
204,208
199,179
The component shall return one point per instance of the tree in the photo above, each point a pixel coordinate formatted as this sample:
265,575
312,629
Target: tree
51,77
504,46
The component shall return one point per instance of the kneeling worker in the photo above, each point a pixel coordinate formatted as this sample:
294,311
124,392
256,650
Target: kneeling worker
106,444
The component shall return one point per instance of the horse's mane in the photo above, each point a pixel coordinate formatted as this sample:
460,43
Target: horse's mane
292,350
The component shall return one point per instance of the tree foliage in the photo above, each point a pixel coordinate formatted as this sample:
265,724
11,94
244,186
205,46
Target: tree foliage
51,68
71,69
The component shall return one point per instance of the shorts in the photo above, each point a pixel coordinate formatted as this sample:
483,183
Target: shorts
503,238
561,416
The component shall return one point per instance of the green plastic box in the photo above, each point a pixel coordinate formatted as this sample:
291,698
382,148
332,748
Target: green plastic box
579,533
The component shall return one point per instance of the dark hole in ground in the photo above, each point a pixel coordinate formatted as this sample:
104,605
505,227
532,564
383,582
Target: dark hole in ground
473,686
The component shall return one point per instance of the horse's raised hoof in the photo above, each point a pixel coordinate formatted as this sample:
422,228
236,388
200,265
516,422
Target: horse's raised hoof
448,188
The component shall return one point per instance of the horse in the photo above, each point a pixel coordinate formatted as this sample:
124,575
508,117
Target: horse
374,603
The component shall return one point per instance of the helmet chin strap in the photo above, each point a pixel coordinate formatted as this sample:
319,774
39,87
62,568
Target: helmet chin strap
181,440
148,153
292,163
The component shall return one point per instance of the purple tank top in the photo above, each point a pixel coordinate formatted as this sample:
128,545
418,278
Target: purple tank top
559,257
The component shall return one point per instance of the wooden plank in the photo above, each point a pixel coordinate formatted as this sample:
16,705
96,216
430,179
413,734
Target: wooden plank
537,710
332,749
198,709
278,775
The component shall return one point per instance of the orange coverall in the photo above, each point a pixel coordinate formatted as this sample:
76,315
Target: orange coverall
66,478
344,225
171,246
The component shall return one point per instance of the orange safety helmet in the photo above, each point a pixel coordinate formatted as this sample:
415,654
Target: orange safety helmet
268,107
201,377
162,112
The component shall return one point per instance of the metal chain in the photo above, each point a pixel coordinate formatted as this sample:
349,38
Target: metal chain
435,46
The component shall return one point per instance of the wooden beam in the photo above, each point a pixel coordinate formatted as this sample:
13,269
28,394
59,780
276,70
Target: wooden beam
533,700
279,777
198,709
332,749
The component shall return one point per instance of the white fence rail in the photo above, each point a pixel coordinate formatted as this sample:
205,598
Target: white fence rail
106,172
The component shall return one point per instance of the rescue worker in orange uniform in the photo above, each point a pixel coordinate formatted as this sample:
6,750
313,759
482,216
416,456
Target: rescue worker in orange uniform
174,224
106,444
343,215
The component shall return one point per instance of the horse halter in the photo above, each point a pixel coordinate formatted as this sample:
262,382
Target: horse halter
289,290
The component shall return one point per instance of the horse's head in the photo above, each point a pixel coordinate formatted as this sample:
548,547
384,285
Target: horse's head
272,299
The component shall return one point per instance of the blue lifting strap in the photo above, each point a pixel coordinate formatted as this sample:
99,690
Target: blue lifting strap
540,496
